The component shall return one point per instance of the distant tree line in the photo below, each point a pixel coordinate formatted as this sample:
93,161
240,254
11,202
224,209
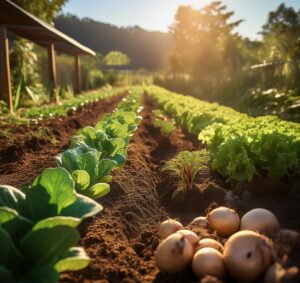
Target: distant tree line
147,50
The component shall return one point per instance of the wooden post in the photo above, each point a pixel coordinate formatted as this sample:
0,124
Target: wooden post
78,85
52,71
5,82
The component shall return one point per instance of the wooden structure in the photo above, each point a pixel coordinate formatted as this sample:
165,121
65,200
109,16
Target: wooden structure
18,21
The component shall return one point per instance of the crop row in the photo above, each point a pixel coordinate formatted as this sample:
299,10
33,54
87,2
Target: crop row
38,232
240,146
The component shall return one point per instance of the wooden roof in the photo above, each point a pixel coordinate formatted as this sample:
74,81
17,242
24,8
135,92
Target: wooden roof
24,24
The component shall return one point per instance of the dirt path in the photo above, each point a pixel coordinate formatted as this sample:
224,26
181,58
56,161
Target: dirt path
29,155
121,241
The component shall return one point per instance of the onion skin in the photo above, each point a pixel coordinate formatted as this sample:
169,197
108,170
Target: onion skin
174,254
190,235
210,243
200,221
247,256
224,220
260,220
168,227
208,261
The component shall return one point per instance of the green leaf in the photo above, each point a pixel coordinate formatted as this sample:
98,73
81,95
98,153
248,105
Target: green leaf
10,256
76,259
45,247
82,208
13,223
120,159
88,162
82,179
68,160
46,274
11,197
5,275
56,221
105,166
53,190
98,190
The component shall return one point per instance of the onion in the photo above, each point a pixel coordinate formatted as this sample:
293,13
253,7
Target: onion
247,255
210,243
190,235
168,227
174,254
200,222
224,220
208,261
260,220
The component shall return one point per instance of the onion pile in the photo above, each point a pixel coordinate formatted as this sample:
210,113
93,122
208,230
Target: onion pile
247,254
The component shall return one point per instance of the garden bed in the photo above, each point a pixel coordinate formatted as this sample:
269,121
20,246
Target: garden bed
121,241
35,147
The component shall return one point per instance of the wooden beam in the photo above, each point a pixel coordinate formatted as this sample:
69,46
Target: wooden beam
52,71
78,86
5,82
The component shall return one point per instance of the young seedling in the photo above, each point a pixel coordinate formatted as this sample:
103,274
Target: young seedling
186,164
167,126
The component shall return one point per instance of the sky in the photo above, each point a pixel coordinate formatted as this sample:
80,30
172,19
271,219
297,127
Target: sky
158,15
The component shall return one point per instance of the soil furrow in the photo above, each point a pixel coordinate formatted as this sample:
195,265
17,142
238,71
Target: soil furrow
29,154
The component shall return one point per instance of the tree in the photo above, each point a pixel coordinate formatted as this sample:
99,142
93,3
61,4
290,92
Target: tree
116,59
203,39
281,39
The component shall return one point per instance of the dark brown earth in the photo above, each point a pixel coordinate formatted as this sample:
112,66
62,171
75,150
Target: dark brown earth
32,152
121,240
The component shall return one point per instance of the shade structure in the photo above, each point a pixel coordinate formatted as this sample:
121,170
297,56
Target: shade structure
20,22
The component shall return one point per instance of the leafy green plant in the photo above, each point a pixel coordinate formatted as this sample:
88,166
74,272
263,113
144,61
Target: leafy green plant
167,126
43,215
186,164
95,152
240,146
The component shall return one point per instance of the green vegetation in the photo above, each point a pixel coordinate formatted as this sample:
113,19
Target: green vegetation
95,152
186,164
240,146
212,62
47,213
166,126
43,215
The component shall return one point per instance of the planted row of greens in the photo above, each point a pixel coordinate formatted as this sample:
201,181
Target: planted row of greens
38,234
240,146
96,151
33,114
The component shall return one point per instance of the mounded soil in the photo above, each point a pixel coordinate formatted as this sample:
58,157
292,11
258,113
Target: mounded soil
31,152
121,241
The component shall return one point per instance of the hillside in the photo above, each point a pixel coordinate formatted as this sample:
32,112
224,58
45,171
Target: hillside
147,50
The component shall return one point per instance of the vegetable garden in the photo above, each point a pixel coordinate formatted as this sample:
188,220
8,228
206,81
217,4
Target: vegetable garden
141,184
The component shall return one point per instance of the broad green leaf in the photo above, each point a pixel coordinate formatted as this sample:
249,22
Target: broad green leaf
82,208
56,221
5,275
16,225
10,256
120,159
76,259
54,190
60,186
105,166
45,247
45,274
11,197
68,160
88,162
81,178
98,190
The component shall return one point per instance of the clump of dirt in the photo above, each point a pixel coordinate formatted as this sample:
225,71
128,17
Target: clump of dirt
35,147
